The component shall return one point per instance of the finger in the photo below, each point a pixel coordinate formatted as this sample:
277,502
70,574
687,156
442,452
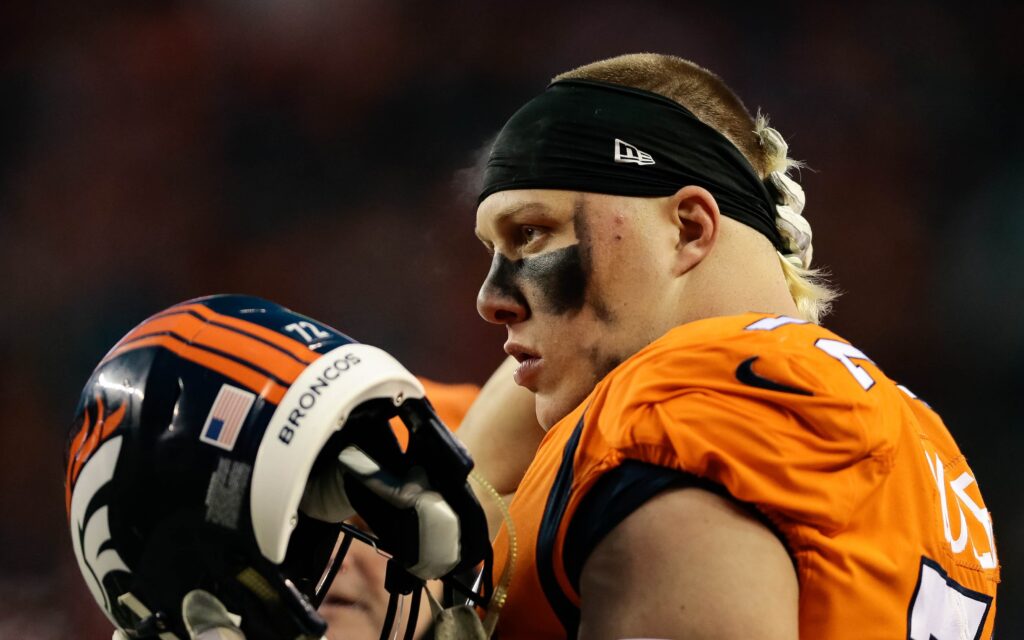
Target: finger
401,493
459,622
439,549
355,460
368,473
207,619
219,633
438,526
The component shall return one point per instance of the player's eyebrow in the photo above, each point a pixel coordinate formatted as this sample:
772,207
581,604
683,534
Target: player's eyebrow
532,205
502,216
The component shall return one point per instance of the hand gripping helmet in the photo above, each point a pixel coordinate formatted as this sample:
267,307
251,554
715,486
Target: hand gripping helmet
192,445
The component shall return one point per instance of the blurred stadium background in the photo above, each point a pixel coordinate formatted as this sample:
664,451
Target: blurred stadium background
306,151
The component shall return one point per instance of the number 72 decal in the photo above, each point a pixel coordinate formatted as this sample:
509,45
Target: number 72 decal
307,331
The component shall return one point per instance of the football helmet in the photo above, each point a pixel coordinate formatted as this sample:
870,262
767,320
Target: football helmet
191,449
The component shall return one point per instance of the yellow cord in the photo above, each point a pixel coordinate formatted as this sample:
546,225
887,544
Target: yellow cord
501,591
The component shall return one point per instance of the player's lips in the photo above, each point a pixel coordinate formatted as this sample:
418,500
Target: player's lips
529,361
342,600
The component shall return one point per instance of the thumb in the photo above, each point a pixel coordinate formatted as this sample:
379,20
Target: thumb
207,619
401,492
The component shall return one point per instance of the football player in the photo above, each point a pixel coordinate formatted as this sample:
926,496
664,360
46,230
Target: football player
716,463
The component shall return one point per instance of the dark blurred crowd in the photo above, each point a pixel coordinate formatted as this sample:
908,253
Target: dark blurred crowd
309,151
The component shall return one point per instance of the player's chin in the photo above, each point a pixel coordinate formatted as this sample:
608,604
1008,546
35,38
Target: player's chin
552,407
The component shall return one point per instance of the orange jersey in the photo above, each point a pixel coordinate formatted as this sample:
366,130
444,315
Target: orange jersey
862,482
450,402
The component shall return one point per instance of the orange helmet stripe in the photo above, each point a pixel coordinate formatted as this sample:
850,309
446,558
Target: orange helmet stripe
256,381
73,451
296,348
257,358
194,331
87,441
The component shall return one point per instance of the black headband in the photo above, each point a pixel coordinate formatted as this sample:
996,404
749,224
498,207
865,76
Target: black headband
589,136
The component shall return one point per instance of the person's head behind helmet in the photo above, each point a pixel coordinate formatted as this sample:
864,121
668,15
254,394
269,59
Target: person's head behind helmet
190,451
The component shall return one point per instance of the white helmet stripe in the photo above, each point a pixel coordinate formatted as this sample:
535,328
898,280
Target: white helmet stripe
95,566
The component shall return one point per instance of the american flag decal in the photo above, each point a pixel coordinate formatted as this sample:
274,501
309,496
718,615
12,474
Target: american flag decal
227,414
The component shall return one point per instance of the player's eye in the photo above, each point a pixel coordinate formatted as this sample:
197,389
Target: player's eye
529,233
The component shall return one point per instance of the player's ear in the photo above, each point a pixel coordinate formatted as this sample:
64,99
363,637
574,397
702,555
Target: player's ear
697,218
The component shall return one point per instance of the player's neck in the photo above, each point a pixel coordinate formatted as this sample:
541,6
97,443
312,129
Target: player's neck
736,278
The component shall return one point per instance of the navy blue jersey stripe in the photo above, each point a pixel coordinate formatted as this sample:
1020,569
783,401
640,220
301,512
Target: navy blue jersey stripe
568,614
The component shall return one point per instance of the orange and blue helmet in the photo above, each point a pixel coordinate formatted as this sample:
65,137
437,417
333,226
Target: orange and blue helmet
193,442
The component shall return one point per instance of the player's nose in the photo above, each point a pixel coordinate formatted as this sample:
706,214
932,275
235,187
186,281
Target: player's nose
500,300
499,307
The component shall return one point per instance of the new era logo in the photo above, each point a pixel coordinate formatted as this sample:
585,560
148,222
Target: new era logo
627,153
226,416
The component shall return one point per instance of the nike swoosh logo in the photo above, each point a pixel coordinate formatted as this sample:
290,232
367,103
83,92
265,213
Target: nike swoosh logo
745,374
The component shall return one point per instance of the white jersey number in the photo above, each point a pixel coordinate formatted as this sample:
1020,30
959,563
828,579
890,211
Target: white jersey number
842,351
944,610
846,354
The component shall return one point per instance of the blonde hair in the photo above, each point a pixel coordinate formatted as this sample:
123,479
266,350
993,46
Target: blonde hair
811,291
705,95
